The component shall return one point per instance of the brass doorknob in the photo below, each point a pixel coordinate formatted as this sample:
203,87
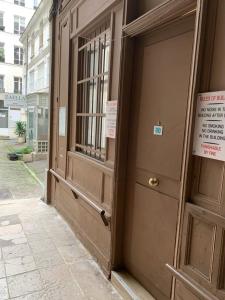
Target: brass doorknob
153,181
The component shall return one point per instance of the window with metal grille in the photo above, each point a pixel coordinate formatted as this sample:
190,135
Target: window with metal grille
19,24
18,55
92,92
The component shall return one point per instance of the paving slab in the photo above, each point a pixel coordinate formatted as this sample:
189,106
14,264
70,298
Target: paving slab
42,268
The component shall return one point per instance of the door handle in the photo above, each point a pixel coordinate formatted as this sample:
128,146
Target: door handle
153,181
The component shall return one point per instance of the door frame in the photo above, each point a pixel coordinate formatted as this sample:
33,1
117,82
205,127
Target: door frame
162,15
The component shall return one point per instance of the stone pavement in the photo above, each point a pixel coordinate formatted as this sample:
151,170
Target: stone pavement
38,168
41,258
15,180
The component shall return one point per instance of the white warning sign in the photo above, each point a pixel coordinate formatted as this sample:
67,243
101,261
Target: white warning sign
111,115
209,133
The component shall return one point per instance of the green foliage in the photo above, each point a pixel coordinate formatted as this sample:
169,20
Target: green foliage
24,150
20,128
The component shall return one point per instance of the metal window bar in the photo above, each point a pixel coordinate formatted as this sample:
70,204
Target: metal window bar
91,86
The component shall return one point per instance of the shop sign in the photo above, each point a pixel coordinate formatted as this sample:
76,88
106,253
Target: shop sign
111,116
209,133
14,100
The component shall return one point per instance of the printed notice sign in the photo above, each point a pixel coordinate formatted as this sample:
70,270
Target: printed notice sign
62,121
111,115
209,134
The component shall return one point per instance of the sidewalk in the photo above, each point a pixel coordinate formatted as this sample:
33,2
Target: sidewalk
41,258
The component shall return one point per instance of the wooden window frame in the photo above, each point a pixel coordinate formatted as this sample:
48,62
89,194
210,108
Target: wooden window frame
97,150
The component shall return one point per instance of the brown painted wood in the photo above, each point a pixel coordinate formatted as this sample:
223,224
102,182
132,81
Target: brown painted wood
204,221
161,84
89,179
165,12
63,96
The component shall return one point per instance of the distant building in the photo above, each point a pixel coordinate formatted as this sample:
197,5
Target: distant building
36,41
14,16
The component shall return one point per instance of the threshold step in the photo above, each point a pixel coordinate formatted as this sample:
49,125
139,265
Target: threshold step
128,287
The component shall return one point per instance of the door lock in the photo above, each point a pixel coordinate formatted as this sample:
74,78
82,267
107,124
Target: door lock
153,181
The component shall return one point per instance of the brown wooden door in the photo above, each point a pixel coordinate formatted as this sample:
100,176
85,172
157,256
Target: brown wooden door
63,97
161,81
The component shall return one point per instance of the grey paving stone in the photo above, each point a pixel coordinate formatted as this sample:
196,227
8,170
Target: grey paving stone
12,239
31,228
38,245
91,280
55,274
64,291
1,256
11,229
9,220
72,253
25,283
48,259
36,236
33,296
2,269
19,265
16,251
3,289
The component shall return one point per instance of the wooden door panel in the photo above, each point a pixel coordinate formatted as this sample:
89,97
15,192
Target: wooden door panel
160,96
164,101
207,190
202,253
167,185
149,249
202,247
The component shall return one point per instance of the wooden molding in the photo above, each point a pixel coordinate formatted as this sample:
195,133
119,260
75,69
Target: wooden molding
164,13
190,284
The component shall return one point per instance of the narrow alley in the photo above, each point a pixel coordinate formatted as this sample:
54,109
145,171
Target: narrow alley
16,181
40,257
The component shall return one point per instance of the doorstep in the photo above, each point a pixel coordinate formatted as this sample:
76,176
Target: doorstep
128,287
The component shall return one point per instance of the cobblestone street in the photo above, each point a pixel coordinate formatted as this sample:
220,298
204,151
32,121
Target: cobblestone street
40,257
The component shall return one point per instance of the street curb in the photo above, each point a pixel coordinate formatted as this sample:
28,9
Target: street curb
33,174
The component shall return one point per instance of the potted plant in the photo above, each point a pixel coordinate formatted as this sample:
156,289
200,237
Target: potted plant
21,131
27,154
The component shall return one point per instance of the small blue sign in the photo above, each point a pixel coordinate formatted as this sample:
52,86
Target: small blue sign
158,130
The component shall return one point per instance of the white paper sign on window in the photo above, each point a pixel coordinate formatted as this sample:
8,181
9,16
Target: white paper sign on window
209,133
62,121
111,116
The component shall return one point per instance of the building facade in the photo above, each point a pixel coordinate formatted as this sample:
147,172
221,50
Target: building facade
14,16
36,42
127,78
